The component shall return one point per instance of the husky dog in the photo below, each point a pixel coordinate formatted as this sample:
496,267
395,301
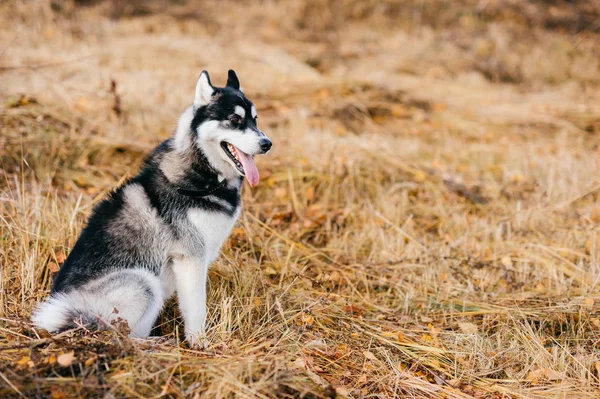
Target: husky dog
158,233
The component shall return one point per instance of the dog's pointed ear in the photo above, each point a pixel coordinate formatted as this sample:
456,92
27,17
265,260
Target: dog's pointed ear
204,90
232,80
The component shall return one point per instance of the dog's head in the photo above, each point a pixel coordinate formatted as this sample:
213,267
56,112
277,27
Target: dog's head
225,128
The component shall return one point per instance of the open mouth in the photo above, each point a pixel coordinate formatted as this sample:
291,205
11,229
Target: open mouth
232,153
243,162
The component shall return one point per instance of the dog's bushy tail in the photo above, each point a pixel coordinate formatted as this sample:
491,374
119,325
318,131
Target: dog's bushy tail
56,314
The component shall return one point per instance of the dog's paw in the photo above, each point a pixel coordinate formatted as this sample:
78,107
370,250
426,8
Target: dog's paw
197,340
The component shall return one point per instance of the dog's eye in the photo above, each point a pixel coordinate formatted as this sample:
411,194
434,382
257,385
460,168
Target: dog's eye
235,119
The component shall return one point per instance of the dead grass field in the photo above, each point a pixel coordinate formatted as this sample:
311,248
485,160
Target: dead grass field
426,224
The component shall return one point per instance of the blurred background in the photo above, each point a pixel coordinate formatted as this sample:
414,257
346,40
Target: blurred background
426,223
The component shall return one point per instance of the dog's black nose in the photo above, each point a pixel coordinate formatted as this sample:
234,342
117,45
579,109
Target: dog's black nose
265,144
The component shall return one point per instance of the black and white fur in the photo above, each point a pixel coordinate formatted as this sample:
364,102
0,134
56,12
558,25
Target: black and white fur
158,233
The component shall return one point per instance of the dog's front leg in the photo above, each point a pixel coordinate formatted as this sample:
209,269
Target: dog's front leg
190,279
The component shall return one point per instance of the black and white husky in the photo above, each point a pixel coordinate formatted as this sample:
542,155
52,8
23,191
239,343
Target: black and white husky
159,232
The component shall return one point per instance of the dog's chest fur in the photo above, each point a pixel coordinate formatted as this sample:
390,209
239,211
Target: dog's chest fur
213,227
204,232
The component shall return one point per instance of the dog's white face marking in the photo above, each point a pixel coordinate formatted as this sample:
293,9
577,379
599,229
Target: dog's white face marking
254,113
240,111
211,134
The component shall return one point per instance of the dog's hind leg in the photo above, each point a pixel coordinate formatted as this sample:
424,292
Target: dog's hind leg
134,295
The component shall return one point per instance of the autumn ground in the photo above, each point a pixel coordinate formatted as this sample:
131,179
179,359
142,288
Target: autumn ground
426,224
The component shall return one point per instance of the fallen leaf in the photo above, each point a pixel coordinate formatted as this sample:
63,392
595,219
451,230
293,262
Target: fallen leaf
468,328
588,247
317,344
299,364
535,376
309,193
56,393
25,361
506,261
308,319
66,359
336,277
342,392
552,375
419,176
60,257
354,310
52,267
280,192
426,338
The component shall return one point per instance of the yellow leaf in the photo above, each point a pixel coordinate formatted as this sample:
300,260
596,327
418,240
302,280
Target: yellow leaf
56,393
23,361
420,176
398,111
588,247
309,193
66,359
308,319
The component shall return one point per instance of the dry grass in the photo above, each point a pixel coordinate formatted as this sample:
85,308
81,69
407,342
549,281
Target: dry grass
427,222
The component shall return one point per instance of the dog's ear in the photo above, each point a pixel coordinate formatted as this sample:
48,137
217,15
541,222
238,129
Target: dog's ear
204,90
232,80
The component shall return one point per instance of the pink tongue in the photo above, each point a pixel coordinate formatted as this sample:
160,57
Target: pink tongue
249,167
